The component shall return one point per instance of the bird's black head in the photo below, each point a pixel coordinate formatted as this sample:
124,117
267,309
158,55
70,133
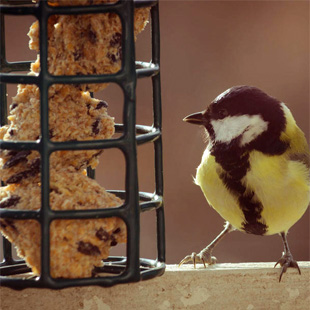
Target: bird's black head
243,117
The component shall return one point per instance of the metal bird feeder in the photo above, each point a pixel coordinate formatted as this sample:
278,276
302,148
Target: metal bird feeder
130,268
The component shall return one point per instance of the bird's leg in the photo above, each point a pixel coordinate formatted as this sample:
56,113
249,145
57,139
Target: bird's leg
205,255
287,259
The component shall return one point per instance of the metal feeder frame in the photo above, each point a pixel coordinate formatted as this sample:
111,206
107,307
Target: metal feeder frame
131,268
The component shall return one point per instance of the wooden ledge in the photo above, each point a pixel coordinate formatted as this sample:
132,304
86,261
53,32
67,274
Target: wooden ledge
223,286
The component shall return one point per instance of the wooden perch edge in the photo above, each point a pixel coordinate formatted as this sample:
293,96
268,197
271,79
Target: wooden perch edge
223,286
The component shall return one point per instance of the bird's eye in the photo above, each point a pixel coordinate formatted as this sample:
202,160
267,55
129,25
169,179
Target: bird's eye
222,113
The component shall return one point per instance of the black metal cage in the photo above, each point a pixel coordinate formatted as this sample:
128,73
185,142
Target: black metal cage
124,269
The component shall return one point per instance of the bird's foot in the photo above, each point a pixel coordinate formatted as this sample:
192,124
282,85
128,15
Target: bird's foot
287,261
203,257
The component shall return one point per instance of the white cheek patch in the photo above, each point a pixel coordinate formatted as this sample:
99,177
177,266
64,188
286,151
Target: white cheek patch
231,127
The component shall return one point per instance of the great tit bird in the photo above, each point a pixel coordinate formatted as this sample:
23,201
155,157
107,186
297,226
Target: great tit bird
255,169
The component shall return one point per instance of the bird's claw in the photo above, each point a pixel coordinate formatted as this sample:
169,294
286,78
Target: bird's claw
191,258
203,257
287,261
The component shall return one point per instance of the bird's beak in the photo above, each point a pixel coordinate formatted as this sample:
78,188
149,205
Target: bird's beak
195,118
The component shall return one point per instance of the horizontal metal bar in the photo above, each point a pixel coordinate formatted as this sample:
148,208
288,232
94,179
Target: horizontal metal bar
88,145
144,196
157,269
64,215
13,9
20,214
151,205
119,193
142,129
145,69
18,268
12,262
86,79
19,283
17,2
19,145
18,78
22,3
145,3
149,201
62,79
86,9
7,67
146,134
80,145
88,214
31,9
148,269
148,137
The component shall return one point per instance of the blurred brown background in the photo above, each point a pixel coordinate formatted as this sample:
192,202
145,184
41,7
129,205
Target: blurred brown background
206,47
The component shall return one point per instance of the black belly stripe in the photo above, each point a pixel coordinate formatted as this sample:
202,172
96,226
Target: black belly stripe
252,208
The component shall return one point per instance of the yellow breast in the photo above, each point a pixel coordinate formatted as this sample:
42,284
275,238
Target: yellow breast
216,193
279,183
282,187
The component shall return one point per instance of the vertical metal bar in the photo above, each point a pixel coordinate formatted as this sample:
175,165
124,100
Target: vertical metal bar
132,190
158,124
6,245
2,43
3,102
45,214
156,61
91,173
